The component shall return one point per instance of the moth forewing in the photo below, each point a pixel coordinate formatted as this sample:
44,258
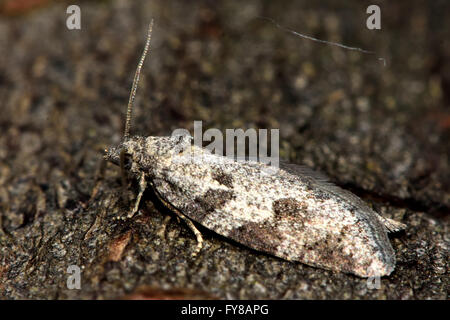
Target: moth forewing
290,216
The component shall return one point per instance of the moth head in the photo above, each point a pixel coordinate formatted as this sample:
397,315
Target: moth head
126,152
112,154
118,155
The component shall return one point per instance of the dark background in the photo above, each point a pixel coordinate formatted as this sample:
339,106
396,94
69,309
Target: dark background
381,131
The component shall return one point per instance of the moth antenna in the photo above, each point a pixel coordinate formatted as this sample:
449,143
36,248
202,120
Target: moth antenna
136,82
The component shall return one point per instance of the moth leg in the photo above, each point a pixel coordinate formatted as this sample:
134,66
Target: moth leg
162,229
142,187
99,176
197,233
123,175
189,223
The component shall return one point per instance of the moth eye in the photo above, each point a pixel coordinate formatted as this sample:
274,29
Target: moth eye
126,160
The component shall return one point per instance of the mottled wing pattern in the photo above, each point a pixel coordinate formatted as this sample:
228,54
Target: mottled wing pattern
294,214
321,181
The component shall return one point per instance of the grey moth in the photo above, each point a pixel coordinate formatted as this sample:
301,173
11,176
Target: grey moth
295,214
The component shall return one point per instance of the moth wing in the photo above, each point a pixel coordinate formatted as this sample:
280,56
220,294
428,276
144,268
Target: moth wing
274,214
322,182
392,225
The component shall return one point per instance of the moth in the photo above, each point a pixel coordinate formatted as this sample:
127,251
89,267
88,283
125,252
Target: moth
295,214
